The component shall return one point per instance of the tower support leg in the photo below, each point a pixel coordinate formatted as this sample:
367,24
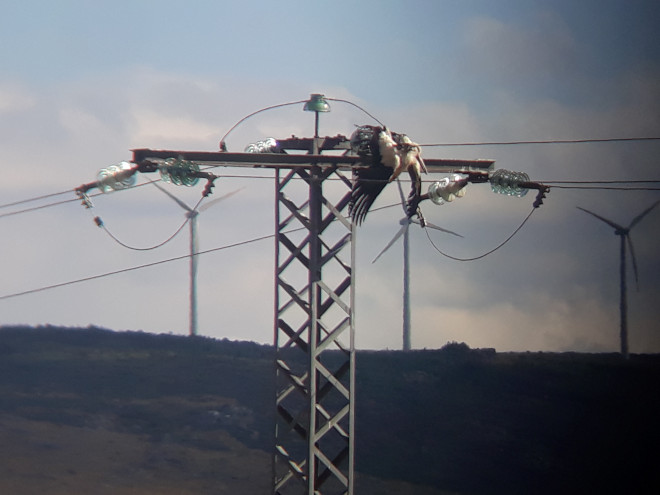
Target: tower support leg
314,334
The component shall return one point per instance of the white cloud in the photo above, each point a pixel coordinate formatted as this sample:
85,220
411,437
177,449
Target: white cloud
544,291
520,54
163,130
14,98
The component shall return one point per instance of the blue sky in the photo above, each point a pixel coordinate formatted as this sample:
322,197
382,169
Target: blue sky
82,83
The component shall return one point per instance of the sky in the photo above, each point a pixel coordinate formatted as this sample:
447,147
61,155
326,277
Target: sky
82,83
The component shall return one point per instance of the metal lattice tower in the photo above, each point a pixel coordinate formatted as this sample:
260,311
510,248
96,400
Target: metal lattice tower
314,300
314,333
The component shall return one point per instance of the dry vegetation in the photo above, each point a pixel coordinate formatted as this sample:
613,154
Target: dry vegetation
99,412
44,457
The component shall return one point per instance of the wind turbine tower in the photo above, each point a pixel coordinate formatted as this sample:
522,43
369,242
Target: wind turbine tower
624,234
404,231
192,214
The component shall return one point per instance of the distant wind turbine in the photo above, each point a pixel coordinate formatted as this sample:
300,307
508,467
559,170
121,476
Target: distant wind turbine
624,233
403,231
192,215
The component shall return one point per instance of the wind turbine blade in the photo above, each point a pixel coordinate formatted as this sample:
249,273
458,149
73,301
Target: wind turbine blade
634,260
215,201
394,239
177,200
436,227
608,222
638,218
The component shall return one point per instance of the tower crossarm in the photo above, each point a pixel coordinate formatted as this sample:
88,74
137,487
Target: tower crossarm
295,161
314,297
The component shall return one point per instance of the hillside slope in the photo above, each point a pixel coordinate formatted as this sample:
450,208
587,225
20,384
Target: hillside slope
95,411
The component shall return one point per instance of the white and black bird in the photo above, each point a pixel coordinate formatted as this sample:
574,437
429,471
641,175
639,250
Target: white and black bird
387,155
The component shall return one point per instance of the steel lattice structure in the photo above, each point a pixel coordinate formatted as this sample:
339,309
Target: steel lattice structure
314,300
314,335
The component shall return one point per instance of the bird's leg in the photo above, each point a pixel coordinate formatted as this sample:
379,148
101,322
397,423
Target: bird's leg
408,157
415,192
422,165
422,220
414,151
412,208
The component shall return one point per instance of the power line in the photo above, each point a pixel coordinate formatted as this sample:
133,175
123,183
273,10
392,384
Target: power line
549,141
607,188
477,143
602,184
559,184
555,184
601,181
271,107
41,207
224,138
38,198
229,246
358,107
511,236
58,203
139,267
100,223
257,239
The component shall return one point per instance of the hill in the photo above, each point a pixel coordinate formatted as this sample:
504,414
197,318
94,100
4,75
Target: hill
96,411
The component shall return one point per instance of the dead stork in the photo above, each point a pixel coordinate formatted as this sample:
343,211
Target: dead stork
387,155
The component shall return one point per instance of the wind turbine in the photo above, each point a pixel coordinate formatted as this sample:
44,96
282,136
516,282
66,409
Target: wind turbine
192,214
624,234
403,231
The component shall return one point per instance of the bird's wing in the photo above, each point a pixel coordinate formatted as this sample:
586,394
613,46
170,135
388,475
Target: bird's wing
369,182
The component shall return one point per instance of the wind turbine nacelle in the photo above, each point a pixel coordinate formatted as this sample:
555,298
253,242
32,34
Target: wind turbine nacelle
447,189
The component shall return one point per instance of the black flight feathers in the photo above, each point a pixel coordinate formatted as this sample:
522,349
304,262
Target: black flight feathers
372,179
